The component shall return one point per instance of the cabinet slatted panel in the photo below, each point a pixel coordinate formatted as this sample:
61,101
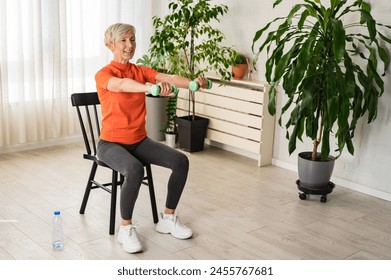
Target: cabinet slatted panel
238,117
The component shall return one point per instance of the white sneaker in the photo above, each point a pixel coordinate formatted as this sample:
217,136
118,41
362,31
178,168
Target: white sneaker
129,239
172,224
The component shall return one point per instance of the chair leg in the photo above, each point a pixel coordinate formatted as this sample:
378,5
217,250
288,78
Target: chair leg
152,193
113,202
88,188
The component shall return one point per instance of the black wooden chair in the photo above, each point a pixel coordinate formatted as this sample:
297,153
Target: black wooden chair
89,123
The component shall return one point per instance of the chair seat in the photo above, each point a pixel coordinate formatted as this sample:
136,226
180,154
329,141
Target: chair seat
95,158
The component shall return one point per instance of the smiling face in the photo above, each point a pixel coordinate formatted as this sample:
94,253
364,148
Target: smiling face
124,47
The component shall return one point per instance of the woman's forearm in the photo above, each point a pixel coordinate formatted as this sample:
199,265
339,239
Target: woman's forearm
126,85
179,81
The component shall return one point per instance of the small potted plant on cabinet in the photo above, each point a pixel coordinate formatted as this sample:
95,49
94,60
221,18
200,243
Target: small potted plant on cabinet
329,73
239,67
191,47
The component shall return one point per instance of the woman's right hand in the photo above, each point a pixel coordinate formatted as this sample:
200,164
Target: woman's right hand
165,89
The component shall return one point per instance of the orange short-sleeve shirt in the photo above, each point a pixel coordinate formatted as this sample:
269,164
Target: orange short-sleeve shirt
123,112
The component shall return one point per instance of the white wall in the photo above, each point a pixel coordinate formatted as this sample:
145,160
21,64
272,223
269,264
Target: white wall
368,171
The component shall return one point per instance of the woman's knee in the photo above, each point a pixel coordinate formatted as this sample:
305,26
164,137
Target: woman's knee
181,162
133,169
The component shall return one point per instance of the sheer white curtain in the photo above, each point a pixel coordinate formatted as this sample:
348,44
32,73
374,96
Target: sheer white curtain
50,49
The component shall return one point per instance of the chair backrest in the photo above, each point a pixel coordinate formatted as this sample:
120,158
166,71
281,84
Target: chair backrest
89,118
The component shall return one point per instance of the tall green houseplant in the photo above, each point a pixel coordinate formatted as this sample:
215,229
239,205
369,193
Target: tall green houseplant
188,42
330,69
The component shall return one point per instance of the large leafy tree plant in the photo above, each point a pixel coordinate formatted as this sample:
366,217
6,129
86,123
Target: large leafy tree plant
330,70
189,43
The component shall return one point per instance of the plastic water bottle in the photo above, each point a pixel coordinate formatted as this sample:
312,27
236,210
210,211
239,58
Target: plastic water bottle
58,234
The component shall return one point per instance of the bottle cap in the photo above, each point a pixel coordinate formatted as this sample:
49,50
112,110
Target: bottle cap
57,212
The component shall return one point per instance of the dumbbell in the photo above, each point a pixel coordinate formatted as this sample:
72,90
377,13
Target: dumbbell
194,86
155,90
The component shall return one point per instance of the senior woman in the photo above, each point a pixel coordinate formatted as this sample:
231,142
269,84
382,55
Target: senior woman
124,144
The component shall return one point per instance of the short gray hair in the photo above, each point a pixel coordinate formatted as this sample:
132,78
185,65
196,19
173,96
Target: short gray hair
116,30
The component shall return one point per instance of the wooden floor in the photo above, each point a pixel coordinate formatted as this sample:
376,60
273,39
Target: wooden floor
237,211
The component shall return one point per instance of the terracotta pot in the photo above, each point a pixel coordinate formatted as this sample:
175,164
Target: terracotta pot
239,71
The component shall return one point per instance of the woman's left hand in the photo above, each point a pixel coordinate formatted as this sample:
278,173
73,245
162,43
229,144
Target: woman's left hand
203,82
165,89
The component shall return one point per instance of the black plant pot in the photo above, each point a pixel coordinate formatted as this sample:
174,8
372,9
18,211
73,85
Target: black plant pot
191,133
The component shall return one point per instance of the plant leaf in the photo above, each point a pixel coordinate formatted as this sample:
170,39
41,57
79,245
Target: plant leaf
276,3
325,149
339,39
272,99
259,33
371,24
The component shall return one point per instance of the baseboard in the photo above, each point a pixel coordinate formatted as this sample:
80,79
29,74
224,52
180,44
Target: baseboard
361,188
285,165
40,144
232,149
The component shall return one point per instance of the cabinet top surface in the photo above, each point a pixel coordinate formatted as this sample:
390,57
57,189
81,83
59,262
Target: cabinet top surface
233,82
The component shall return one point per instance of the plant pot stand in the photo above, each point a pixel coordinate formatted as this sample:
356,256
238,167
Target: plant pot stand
323,191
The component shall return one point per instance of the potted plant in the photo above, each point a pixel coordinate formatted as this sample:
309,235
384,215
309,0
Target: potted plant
169,127
188,43
239,66
329,73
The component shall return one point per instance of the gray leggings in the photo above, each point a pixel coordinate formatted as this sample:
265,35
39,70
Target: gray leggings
127,160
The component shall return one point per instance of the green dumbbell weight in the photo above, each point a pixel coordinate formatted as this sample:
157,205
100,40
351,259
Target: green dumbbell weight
155,90
194,86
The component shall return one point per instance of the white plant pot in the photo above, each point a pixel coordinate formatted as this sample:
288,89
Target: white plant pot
171,140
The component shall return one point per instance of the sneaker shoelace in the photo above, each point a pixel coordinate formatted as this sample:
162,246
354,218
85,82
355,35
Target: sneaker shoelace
133,233
178,223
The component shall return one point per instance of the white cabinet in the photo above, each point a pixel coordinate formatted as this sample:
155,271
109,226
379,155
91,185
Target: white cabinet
238,116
